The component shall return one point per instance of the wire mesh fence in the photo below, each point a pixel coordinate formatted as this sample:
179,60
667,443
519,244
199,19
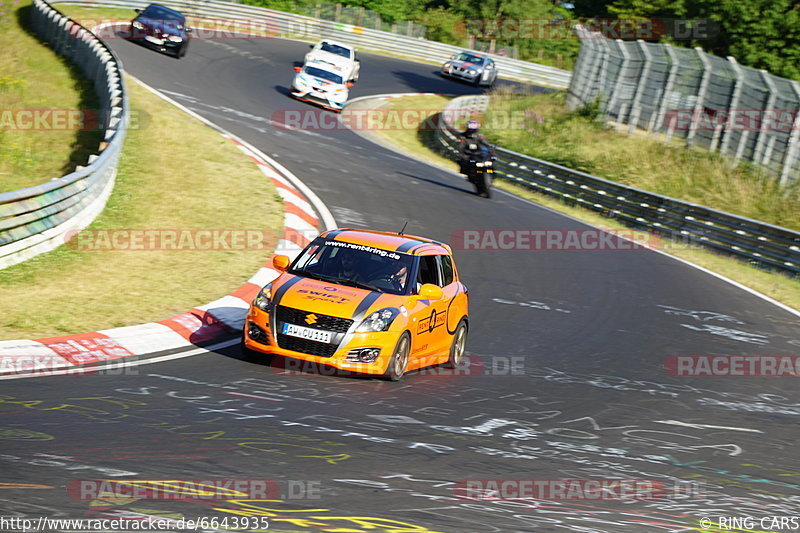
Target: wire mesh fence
687,94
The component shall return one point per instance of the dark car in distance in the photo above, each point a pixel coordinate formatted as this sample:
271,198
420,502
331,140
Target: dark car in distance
161,28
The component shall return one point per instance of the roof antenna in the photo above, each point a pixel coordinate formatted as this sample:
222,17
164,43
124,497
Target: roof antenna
404,228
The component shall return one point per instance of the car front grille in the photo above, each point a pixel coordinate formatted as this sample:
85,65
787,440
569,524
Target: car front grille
326,322
296,344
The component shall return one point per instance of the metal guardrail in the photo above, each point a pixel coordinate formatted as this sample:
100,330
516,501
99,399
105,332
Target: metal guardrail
281,24
684,93
762,244
36,219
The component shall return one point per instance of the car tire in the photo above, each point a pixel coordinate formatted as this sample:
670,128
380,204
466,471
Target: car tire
182,51
399,361
458,345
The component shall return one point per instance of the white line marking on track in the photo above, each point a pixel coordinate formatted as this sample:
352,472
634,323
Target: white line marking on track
704,426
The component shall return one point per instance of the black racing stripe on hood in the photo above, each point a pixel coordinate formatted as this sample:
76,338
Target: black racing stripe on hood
366,303
278,294
335,233
406,246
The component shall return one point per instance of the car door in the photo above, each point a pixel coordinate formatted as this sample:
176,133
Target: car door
429,317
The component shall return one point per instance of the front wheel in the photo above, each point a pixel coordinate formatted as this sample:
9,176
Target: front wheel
399,361
458,345
486,185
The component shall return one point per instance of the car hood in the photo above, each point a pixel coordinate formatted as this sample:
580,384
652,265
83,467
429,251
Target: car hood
169,26
331,299
328,57
465,65
320,81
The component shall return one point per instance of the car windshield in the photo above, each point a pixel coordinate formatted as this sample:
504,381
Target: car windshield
324,74
355,265
161,13
335,49
469,58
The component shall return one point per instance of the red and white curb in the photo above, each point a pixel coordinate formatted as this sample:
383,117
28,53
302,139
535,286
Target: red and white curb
304,213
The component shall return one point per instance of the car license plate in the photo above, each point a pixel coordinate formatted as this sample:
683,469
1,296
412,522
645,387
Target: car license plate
307,333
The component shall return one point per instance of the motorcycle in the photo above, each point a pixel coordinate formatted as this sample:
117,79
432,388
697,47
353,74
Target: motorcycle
479,168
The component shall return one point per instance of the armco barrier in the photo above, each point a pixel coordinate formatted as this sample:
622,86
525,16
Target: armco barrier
280,24
768,246
34,220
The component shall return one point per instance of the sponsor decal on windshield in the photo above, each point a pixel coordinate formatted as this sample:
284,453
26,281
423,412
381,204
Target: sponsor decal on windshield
363,248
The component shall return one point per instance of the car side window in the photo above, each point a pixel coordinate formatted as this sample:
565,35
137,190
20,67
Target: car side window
446,267
428,270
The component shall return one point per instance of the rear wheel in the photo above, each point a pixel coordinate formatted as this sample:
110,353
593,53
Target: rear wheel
399,361
458,345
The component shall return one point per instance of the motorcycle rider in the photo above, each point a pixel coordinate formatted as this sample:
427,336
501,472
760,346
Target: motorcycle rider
471,141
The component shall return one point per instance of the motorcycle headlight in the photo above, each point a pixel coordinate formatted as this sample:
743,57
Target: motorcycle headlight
264,299
379,320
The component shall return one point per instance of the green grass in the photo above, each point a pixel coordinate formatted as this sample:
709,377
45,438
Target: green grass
544,129
175,173
417,143
33,77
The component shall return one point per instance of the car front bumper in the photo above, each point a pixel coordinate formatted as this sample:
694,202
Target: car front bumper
264,341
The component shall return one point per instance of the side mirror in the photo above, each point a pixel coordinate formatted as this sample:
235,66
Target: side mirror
138,10
429,291
311,46
280,262
188,30
298,69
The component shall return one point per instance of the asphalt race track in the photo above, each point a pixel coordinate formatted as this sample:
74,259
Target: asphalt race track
566,376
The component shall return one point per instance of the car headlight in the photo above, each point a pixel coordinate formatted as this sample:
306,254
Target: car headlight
138,25
478,164
264,299
447,65
175,39
473,71
379,320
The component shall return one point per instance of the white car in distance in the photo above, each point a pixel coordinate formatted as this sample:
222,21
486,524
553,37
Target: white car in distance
340,54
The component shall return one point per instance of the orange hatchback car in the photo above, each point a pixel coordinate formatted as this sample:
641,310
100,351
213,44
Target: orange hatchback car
363,301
